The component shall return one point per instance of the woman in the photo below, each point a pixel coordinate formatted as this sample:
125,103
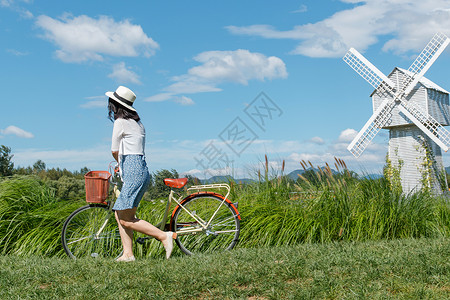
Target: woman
127,148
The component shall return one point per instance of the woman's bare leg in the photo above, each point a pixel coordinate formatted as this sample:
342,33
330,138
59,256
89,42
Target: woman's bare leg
127,218
128,223
126,236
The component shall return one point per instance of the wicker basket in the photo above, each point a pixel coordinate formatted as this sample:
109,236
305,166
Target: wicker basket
97,186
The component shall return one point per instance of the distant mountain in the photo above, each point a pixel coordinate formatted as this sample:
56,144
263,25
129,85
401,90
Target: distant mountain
294,174
244,180
217,179
226,179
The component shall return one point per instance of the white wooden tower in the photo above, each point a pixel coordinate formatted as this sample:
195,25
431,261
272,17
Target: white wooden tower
414,109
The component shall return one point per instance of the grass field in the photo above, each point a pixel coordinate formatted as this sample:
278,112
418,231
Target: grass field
395,269
328,236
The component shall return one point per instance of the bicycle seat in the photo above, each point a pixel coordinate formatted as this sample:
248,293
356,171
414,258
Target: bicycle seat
175,182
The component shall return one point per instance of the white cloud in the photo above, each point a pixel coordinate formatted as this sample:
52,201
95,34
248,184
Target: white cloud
6,3
14,6
406,24
303,8
72,159
190,85
160,155
14,130
347,135
237,66
193,172
17,53
376,148
25,13
314,158
318,154
95,102
123,74
159,97
218,67
293,151
208,173
183,100
83,38
317,140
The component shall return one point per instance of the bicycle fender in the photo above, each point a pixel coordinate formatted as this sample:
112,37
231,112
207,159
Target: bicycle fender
189,197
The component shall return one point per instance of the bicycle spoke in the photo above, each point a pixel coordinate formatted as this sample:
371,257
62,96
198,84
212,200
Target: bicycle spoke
78,240
226,231
221,233
226,221
91,231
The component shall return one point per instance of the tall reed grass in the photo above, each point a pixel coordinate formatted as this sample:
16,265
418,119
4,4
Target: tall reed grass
321,207
31,217
331,206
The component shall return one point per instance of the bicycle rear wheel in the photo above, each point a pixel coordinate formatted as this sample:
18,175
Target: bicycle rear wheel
91,231
221,234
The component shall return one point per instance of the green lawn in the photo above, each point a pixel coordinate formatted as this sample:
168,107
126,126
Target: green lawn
399,269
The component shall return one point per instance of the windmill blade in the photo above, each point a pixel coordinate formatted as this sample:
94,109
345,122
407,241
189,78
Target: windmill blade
427,124
367,71
379,118
425,59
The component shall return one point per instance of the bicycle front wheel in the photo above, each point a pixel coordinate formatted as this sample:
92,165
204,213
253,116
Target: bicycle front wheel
91,231
194,234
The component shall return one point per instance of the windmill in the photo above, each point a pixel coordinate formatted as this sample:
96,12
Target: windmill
414,109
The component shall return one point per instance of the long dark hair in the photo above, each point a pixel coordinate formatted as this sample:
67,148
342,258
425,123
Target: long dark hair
117,111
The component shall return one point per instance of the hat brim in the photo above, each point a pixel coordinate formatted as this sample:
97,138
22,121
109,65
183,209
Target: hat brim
111,95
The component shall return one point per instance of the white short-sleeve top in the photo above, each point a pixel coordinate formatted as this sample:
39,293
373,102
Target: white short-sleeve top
128,137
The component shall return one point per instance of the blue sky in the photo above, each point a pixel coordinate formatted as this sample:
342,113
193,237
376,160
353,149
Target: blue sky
200,69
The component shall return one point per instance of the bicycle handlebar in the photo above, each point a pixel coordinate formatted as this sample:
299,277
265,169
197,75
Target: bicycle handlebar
113,170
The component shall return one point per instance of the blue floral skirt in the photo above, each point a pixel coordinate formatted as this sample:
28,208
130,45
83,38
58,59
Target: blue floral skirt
135,179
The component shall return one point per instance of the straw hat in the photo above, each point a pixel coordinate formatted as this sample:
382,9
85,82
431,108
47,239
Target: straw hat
124,96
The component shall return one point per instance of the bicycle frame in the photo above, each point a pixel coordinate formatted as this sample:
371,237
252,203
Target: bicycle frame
204,224
213,186
116,193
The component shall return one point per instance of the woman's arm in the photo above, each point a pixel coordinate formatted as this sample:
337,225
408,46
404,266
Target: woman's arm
116,138
115,154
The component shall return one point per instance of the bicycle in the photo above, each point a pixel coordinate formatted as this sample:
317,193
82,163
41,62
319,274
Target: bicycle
203,220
